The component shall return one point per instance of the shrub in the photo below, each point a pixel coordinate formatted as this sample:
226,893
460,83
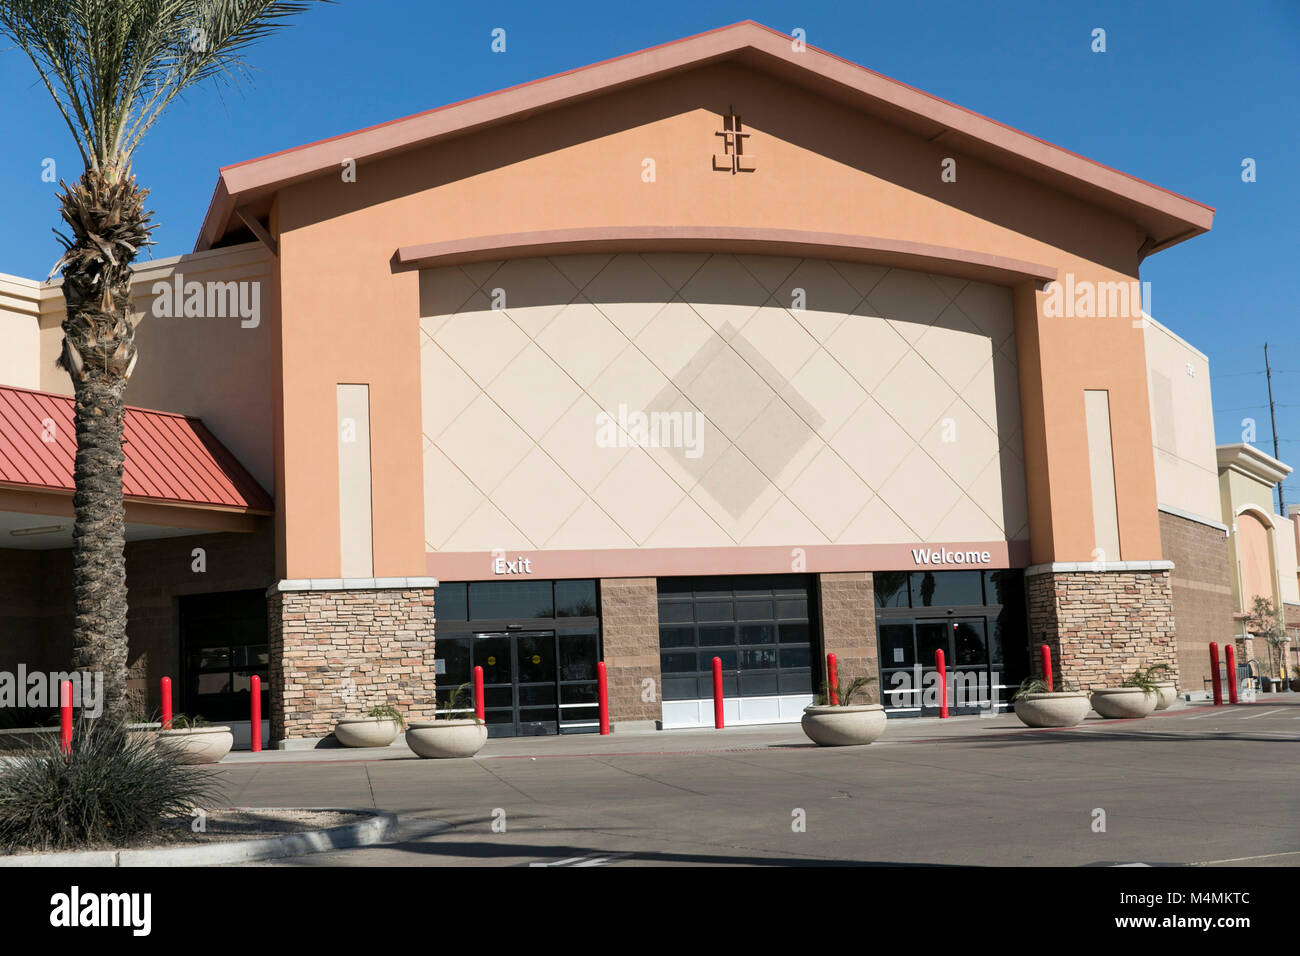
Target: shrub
115,788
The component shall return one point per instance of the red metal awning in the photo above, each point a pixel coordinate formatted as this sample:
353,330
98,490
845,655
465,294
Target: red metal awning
169,458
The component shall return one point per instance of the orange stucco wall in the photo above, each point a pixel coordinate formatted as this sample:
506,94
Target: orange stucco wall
348,316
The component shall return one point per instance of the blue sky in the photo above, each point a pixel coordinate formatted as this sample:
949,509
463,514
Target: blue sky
1184,92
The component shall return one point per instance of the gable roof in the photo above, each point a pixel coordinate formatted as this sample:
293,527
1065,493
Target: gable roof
170,458
1166,217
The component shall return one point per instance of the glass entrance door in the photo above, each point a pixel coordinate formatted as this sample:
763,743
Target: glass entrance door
519,687
907,665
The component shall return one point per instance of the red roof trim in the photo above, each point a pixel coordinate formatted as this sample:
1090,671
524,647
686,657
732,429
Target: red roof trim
169,458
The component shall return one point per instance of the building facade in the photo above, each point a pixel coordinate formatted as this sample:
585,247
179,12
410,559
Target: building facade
722,349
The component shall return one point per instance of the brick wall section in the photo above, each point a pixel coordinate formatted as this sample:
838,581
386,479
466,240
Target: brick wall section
338,653
1202,594
629,622
1101,625
848,627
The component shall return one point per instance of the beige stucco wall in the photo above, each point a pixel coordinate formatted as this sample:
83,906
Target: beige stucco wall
885,410
207,366
20,350
1182,424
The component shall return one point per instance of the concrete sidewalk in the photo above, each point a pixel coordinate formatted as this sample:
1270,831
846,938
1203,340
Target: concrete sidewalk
694,740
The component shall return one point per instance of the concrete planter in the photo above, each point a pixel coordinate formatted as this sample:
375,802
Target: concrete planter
446,738
1118,703
198,744
1058,709
366,731
1166,693
849,726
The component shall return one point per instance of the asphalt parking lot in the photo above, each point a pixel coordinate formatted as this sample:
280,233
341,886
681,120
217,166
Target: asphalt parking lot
1195,786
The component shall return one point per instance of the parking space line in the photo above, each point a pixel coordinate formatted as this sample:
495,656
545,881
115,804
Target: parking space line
1264,713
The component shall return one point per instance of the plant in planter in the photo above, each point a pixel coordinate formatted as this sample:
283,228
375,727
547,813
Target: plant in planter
1166,687
1295,678
1136,696
1036,706
454,732
378,728
844,724
195,740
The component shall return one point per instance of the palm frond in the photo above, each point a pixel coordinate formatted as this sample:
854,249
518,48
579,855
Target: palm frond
113,66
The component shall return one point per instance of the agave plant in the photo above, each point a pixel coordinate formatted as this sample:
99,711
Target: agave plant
112,67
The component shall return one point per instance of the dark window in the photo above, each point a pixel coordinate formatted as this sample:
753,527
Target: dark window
575,599
891,588
510,600
450,602
947,589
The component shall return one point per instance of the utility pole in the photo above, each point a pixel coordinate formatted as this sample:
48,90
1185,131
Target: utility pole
1272,414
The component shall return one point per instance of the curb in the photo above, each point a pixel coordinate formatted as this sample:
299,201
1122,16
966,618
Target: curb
380,826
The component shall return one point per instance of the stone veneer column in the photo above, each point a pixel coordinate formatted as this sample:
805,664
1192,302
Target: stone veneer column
629,623
848,627
339,648
1102,621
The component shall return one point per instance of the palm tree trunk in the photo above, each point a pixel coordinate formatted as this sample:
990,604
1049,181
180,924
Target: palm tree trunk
99,539
105,211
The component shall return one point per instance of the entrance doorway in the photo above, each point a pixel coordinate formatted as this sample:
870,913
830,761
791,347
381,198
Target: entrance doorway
534,682
223,644
907,665
520,690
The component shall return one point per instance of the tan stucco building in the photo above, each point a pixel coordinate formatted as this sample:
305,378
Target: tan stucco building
726,348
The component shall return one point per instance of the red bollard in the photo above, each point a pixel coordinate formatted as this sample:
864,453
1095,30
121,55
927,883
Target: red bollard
943,684
1230,652
832,680
255,723
602,691
65,716
166,703
1047,666
717,693
478,694
1214,672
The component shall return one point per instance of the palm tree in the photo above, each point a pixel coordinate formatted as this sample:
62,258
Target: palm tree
112,67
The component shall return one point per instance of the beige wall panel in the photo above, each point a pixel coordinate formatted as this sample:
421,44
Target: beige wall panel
1101,463
1182,424
694,401
356,550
